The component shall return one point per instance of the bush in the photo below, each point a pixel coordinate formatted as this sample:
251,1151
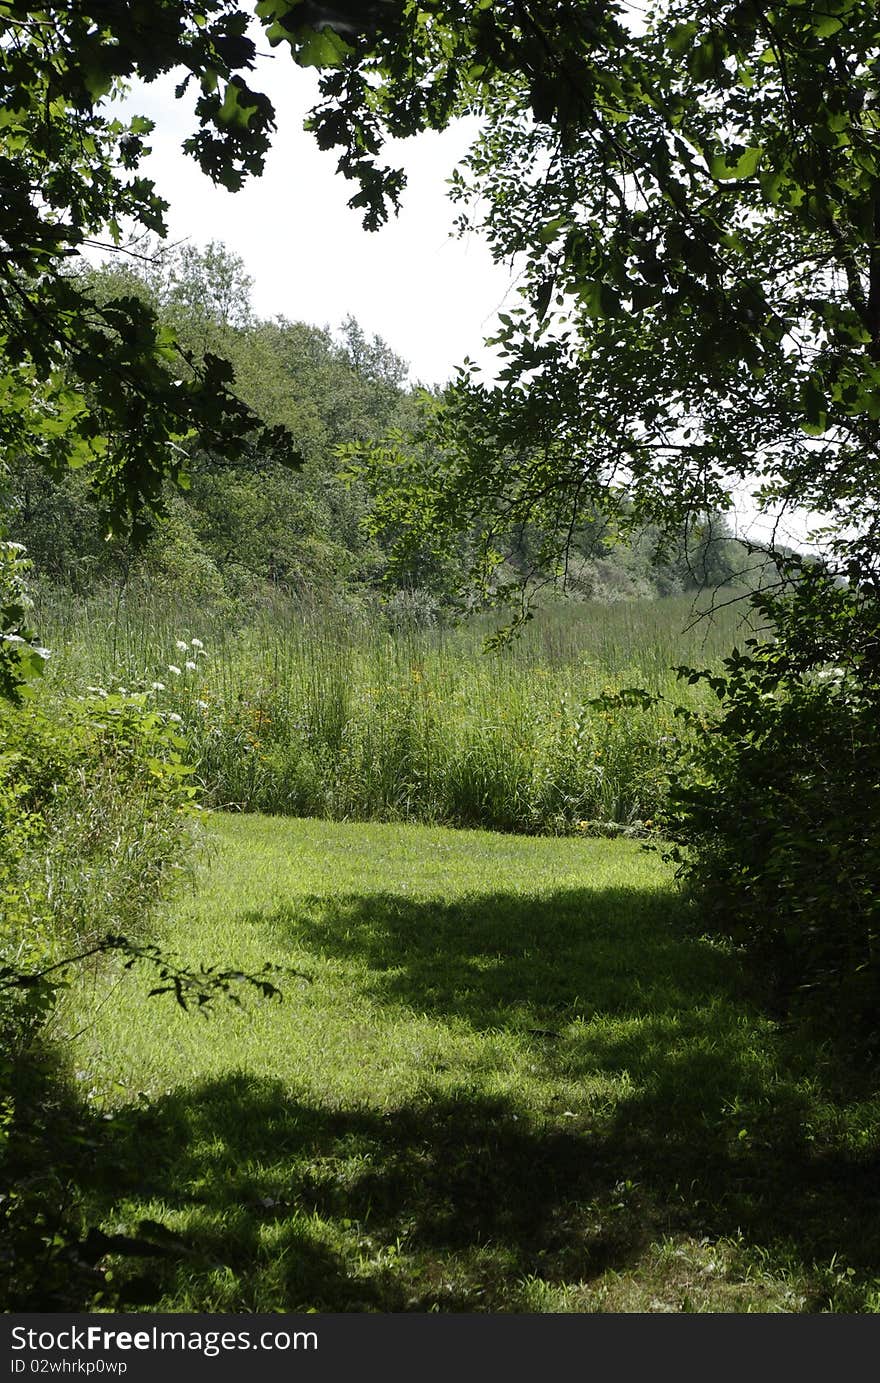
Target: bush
775,818
108,797
95,807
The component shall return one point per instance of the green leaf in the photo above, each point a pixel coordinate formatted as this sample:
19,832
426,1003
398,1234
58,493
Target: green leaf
680,37
550,231
599,299
827,24
322,48
97,82
745,166
232,112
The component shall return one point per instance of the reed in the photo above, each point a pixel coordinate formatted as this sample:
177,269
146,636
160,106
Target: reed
313,713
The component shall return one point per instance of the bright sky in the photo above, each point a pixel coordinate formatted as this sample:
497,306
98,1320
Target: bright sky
431,297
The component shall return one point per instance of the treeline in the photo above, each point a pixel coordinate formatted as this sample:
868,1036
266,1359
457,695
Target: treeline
313,531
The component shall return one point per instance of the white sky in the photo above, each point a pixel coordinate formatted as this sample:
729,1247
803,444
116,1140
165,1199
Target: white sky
430,296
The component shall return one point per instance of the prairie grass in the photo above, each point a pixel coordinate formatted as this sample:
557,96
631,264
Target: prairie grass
299,713
515,1080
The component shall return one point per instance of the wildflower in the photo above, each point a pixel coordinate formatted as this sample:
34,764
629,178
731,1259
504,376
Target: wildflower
190,666
157,686
181,644
178,720
196,643
202,705
174,669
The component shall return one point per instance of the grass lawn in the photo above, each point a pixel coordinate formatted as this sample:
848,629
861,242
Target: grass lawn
513,1082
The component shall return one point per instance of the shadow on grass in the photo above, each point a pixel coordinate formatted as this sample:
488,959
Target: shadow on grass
505,960
288,1206
449,1200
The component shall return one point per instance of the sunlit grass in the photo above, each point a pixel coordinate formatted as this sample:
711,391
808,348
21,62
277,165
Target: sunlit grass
513,1081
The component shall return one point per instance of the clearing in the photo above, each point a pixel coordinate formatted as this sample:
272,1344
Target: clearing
515,1080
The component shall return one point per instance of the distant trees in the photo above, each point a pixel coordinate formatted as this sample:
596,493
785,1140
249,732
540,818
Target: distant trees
242,518
244,522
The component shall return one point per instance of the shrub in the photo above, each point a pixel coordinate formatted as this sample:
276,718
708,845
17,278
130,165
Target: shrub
94,812
775,818
104,785
21,657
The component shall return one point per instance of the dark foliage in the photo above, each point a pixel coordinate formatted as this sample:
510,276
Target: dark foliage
776,816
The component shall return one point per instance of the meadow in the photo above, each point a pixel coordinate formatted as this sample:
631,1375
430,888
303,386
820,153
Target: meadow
508,1075
509,1070
289,711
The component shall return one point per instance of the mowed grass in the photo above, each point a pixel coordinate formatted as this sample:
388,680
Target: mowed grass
513,1081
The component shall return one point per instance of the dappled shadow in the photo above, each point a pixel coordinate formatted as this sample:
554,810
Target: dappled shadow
48,1134
513,960
273,1200
479,1194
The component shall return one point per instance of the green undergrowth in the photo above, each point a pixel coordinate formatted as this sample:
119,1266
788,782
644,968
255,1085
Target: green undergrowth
512,1079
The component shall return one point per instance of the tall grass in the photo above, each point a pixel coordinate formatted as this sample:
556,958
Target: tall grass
306,714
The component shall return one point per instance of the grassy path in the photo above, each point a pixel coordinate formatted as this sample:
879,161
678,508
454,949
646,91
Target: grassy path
512,1084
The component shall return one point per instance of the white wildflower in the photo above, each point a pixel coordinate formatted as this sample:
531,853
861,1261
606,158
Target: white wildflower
172,715
181,644
173,668
197,643
190,666
157,686
202,705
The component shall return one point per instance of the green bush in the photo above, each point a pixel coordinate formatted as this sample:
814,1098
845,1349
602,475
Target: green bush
775,819
95,816
95,812
106,792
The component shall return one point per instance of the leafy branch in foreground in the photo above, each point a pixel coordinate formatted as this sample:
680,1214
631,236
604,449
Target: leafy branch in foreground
21,655
197,987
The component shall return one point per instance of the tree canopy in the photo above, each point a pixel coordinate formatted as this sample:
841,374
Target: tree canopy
693,194
694,197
